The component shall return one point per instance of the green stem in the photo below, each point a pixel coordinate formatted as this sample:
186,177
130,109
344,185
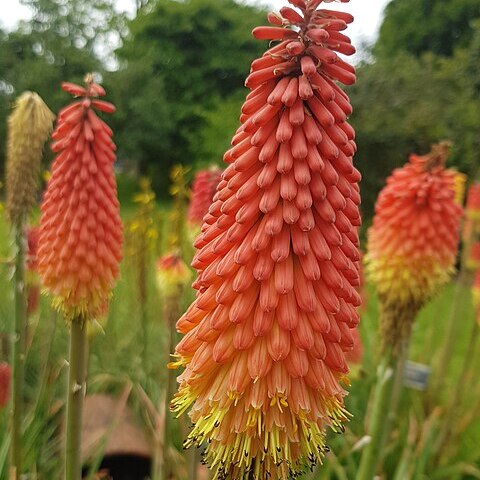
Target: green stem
162,463
18,349
75,396
456,395
376,429
172,317
142,294
462,291
400,361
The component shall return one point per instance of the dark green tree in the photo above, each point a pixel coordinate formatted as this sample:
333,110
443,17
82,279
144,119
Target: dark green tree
403,104
64,40
181,76
419,26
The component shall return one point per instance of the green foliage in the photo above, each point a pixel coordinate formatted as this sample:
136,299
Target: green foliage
120,358
437,26
181,71
60,43
69,23
403,104
222,117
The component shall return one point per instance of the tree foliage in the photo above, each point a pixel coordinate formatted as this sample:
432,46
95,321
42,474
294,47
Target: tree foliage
403,104
421,87
61,42
181,74
179,82
419,26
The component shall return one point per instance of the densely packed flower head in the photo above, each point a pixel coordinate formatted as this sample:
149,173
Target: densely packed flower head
203,189
5,381
80,243
412,245
29,126
265,339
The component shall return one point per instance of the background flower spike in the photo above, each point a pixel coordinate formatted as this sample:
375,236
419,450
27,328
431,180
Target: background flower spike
80,239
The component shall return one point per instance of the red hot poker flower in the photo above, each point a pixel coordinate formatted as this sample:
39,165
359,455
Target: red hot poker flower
80,244
277,262
203,189
412,245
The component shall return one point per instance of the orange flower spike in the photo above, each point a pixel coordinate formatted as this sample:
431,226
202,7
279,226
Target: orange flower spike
265,340
203,189
412,245
80,243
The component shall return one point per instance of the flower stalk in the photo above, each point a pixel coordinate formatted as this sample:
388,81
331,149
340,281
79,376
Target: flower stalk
385,399
376,430
172,277
470,262
451,411
77,378
18,351
144,233
203,190
171,313
458,306
28,129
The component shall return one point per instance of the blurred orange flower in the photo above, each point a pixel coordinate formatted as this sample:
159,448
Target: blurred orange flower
203,190
172,273
412,245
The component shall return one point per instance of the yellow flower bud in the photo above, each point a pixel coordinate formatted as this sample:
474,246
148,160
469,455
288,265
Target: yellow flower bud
28,129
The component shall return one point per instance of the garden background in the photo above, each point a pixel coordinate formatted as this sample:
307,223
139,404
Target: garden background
177,81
